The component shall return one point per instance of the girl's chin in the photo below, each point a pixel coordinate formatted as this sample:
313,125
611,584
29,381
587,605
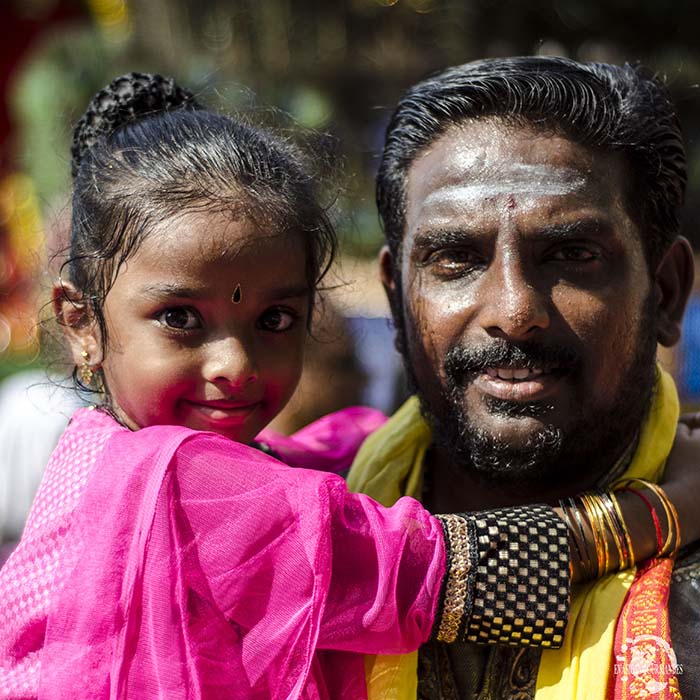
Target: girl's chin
238,428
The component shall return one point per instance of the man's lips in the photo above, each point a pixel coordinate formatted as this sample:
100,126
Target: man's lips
516,373
520,384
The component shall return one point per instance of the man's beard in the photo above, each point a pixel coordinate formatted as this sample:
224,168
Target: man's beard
588,446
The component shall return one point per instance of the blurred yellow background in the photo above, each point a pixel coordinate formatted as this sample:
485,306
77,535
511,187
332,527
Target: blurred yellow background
334,68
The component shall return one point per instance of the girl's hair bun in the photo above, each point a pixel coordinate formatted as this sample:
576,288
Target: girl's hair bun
126,99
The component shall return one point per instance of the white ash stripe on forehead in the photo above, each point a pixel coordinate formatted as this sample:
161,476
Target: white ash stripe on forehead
515,179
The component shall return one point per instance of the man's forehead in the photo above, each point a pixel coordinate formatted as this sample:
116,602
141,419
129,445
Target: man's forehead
478,162
479,141
509,178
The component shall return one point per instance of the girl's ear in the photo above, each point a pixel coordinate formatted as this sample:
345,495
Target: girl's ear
75,315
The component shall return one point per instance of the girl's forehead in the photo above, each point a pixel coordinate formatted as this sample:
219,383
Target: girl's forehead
206,237
209,259
209,255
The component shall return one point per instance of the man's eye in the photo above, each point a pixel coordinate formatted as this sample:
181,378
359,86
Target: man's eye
179,318
454,260
277,320
575,254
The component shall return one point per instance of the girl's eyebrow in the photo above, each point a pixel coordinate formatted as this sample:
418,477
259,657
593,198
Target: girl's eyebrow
165,290
158,291
289,292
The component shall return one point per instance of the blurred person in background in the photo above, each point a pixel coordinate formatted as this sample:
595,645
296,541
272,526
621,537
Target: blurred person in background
33,413
333,377
35,406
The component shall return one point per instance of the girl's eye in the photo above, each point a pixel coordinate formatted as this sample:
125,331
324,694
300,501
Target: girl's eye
277,320
179,318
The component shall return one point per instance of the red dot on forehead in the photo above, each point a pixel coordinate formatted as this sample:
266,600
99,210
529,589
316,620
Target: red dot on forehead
510,202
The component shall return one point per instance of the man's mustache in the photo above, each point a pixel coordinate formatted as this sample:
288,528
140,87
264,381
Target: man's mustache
462,361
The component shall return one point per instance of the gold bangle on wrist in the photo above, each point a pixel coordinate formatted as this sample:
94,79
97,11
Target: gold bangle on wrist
623,528
607,529
671,544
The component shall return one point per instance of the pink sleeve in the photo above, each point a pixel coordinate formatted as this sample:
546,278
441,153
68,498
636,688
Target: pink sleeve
328,444
368,577
387,568
206,569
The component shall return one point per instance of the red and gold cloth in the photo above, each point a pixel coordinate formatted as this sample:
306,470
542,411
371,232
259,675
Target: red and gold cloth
645,665
626,609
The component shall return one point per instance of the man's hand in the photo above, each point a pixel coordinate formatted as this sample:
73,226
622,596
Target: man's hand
681,479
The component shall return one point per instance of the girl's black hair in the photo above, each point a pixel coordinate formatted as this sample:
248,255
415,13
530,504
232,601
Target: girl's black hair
145,150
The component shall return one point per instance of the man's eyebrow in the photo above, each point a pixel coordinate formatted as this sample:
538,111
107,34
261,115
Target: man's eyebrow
435,238
573,229
440,238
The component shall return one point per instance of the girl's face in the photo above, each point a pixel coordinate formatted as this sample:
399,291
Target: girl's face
206,326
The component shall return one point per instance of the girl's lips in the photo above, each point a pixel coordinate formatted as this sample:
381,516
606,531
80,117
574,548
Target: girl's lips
535,387
224,411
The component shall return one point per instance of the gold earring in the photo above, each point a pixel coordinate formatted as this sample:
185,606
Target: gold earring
85,372
237,295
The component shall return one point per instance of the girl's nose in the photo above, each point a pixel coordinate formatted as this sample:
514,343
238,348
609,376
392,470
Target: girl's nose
230,361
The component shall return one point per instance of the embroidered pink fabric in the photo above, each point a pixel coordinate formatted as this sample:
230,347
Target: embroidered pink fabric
167,563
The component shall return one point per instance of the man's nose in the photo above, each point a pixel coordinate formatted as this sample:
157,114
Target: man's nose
230,360
513,304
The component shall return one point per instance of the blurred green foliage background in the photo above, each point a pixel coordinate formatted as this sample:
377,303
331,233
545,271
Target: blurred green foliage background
335,67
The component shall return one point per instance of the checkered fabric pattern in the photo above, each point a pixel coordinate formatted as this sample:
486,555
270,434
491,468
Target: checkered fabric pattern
507,577
522,578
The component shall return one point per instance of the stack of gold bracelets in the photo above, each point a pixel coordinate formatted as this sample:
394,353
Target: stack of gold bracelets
595,517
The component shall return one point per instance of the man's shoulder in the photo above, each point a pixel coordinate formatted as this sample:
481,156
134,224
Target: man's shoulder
684,614
687,566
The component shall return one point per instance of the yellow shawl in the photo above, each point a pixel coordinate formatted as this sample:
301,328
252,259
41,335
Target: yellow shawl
390,464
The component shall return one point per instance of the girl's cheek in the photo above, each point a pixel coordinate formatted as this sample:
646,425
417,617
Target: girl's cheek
283,385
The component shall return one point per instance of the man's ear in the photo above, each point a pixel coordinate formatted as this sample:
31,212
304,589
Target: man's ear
674,282
386,272
75,315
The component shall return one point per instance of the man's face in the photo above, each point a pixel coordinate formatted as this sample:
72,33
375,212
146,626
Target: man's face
527,301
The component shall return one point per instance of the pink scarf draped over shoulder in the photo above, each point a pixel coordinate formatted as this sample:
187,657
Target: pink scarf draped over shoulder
169,563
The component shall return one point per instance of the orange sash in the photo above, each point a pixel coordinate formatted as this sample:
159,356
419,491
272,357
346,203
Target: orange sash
645,664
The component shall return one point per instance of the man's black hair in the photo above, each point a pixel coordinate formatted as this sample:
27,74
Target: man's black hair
616,109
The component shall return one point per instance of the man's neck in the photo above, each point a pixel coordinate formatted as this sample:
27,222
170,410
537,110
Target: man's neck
450,488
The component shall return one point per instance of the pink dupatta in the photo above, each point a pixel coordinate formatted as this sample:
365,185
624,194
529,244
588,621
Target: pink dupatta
167,563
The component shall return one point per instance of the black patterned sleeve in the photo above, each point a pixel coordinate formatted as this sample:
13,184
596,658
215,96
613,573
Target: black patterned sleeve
507,579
